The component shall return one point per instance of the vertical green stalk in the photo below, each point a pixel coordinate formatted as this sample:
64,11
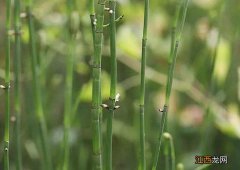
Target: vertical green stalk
92,18
170,147
112,98
47,164
17,73
142,88
96,82
68,86
7,85
176,36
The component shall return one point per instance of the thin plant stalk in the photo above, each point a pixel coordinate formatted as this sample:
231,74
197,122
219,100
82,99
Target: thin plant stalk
166,153
47,164
7,85
96,82
17,73
68,87
112,98
176,36
92,18
168,140
142,88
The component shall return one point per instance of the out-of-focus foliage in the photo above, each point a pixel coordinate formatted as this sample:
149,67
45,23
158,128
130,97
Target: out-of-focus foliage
204,114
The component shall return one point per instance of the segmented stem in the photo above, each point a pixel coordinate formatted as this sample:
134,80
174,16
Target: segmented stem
176,36
37,92
7,85
17,73
142,88
96,82
112,7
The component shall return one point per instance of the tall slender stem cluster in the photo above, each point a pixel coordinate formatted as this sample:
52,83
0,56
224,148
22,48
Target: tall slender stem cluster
68,86
17,73
142,89
37,91
176,36
7,85
97,26
112,98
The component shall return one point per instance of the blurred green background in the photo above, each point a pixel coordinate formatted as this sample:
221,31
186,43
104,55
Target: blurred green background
204,109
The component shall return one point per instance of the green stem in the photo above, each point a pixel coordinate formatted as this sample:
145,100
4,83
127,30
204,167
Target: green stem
162,124
109,139
92,18
142,88
170,146
7,86
17,72
68,87
37,92
96,83
176,37
112,7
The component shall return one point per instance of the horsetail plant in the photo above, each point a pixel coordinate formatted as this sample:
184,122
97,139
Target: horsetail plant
47,164
97,26
168,140
113,96
6,87
176,36
69,80
142,89
92,18
17,72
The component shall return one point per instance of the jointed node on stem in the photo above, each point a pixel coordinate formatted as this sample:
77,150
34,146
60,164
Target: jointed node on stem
6,86
112,105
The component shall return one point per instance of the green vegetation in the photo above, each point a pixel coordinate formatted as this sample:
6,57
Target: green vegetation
70,36
142,91
17,74
6,87
112,98
96,81
68,62
178,25
47,164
